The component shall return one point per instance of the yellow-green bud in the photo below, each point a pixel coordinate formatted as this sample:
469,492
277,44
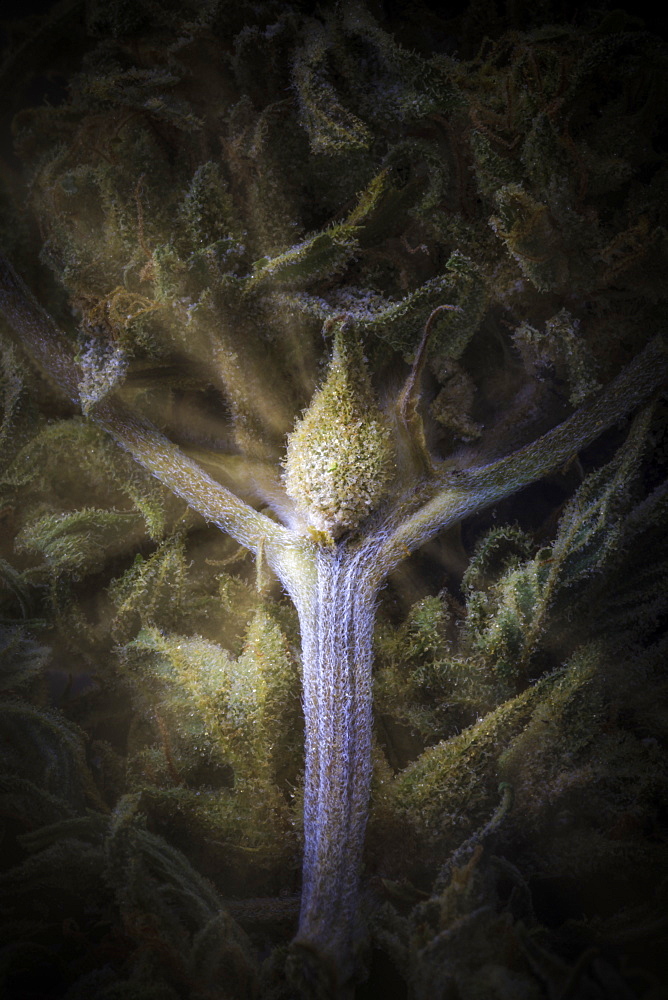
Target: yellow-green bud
340,457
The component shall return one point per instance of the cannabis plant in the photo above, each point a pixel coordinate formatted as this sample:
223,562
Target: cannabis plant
306,286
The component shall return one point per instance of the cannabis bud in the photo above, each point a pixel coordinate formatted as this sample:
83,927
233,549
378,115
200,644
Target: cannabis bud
340,456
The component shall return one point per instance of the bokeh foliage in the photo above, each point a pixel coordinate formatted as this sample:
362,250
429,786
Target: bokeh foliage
206,184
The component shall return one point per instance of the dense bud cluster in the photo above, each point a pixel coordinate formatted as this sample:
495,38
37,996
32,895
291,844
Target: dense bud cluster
339,459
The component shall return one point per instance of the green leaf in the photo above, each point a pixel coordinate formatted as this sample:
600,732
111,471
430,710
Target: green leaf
21,658
42,746
77,542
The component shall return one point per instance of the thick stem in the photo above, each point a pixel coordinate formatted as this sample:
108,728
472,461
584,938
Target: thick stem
337,635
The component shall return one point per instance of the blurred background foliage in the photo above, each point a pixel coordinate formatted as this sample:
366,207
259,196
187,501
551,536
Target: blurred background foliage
191,189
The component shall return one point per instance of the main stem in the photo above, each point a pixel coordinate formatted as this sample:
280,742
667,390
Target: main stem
337,635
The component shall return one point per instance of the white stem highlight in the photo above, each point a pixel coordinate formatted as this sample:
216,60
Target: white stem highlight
337,636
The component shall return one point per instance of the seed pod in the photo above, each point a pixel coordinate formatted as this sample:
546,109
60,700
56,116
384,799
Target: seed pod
340,457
